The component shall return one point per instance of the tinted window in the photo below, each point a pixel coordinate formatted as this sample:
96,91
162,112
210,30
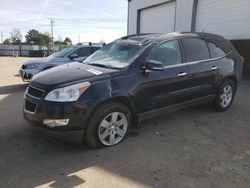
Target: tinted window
83,52
195,49
215,51
219,48
168,53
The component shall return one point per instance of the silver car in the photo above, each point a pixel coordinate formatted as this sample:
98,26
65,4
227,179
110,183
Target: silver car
71,54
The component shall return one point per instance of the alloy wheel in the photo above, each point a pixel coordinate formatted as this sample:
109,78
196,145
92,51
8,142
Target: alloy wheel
113,128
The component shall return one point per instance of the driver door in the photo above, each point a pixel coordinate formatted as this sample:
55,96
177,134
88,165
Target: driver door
170,86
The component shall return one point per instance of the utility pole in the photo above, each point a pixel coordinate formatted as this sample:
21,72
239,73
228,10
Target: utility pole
2,37
51,26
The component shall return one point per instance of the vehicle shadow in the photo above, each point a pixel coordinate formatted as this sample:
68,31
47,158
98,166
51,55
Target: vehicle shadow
162,154
12,88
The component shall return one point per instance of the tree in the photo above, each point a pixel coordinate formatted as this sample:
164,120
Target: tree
16,36
67,40
32,36
7,41
45,38
58,42
38,38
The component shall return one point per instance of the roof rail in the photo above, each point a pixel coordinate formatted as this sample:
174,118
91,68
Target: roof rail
139,34
90,43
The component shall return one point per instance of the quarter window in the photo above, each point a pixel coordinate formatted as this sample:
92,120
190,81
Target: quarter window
195,49
215,51
218,48
168,53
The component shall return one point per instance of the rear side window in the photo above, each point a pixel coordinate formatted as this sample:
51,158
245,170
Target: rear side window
83,52
218,48
195,49
168,53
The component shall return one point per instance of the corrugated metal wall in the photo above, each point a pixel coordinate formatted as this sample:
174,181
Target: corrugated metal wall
184,10
135,5
183,18
229,18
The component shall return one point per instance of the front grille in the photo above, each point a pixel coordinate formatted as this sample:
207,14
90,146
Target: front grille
30,106
35,92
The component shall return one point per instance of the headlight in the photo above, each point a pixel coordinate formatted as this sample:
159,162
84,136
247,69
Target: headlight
69,93
32,65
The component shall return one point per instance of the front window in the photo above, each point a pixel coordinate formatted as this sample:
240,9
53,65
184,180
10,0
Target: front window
63,52
116,55
168,53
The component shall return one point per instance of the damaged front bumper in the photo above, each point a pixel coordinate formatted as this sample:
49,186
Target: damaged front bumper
27,74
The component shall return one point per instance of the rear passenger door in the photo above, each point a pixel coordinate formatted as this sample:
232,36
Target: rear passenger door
201,69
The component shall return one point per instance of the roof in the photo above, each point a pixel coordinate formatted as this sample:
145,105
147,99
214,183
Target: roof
157,37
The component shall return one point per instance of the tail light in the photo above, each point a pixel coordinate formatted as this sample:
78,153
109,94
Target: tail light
242,59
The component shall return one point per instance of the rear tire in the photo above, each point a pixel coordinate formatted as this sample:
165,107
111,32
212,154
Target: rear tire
108,125
225,96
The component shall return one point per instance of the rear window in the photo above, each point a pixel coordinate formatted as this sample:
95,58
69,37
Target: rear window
195,49
218,48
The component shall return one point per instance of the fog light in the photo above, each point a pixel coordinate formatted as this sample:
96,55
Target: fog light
56,122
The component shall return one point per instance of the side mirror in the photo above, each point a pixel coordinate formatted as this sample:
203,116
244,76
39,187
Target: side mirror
73,56
152,65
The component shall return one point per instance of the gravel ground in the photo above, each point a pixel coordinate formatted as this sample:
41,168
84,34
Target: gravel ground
194,147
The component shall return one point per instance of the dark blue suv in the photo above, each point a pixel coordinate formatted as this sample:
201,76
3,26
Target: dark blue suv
129,80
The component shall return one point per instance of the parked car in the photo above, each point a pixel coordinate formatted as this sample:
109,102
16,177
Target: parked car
70,54
129,80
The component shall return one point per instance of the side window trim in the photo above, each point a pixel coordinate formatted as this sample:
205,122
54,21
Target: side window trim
211,59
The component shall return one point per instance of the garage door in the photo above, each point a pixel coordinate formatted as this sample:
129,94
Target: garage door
229,18
159,19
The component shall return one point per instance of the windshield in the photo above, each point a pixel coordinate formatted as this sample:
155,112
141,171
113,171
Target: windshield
117,55
63,52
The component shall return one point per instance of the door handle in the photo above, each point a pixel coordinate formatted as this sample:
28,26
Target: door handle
214,68
182,74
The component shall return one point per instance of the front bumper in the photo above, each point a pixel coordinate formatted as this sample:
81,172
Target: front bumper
78,116
27,74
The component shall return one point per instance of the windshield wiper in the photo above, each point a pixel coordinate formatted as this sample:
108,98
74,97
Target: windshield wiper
101,65
98,65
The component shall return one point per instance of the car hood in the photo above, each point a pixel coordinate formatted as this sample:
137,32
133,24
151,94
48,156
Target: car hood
68,74
45,60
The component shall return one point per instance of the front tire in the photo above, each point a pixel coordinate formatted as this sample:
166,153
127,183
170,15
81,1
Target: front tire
108,125
225,96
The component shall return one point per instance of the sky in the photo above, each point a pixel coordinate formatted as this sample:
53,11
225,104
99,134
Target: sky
80,20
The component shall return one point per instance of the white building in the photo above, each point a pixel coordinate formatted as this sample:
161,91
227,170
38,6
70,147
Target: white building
229,18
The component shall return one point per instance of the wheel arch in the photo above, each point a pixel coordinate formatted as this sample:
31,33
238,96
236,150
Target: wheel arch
232,78
123,100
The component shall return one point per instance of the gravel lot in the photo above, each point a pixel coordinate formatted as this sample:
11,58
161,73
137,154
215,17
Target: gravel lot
194,147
